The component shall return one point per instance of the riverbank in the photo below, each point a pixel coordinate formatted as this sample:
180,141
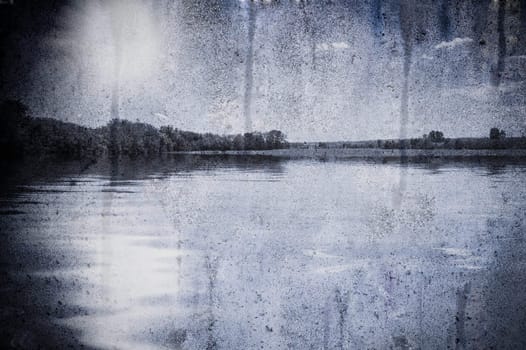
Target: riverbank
372,153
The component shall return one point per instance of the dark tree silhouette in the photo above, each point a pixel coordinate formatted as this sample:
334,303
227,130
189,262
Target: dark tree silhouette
23,135
436,136
496,134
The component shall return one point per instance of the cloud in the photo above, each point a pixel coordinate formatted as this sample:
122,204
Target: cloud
322,47
427,57
453,43
340,45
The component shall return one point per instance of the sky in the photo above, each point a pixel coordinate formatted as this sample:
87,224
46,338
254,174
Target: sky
317,70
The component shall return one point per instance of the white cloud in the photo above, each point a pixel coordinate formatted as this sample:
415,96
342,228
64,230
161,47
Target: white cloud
453,43
322,47
427,57
340,45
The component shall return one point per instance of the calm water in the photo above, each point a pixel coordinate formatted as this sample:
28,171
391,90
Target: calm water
205,253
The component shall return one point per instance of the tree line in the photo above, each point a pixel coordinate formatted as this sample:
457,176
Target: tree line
23,135
436,140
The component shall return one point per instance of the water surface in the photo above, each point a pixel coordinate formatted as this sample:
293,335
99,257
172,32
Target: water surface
246,253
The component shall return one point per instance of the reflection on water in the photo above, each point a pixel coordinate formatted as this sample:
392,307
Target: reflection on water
242,253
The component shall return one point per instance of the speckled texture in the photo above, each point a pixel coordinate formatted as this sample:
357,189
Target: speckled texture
317,70
246,253
252,252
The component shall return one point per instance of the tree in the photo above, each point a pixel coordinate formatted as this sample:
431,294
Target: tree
275,139
496,134
258,141
238,143
436,136
24,135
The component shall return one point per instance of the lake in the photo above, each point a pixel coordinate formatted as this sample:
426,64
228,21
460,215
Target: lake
258,253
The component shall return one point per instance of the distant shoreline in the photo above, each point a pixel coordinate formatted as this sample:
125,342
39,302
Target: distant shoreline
369,153
25,136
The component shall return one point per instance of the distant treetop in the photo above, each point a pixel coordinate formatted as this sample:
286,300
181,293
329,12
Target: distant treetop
436,136
496,134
